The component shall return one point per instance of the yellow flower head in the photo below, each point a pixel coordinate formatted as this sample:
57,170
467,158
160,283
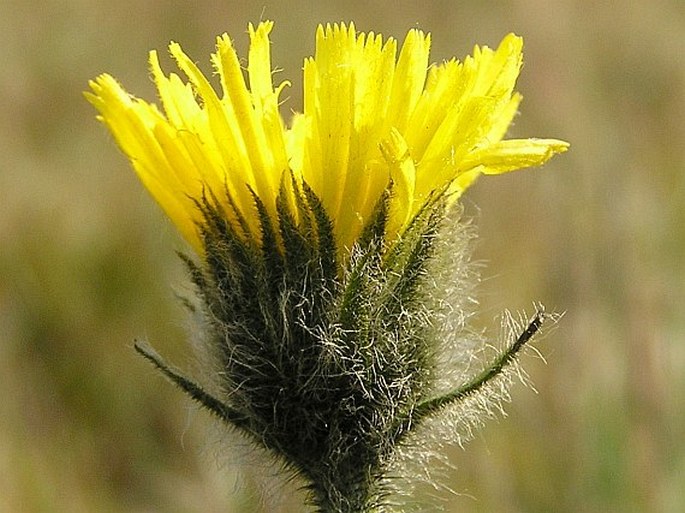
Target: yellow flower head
328,340
371,119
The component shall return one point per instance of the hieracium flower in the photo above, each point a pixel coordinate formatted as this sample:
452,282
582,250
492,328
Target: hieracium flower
331,265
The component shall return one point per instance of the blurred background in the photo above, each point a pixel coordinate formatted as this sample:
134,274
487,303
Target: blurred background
87,261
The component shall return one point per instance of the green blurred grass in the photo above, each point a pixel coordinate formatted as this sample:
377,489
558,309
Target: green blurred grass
87,261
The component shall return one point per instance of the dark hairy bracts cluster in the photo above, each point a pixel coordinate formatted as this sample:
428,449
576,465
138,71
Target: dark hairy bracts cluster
327,365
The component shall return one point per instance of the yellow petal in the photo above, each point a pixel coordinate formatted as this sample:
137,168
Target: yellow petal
409,78
514,154
403,174
132,124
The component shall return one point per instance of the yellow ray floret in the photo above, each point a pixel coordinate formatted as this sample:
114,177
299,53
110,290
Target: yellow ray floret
370,118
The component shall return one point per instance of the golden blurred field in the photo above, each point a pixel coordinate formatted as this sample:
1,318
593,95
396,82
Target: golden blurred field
87,261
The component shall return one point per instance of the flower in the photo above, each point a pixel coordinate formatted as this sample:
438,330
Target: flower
333,290
370,118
